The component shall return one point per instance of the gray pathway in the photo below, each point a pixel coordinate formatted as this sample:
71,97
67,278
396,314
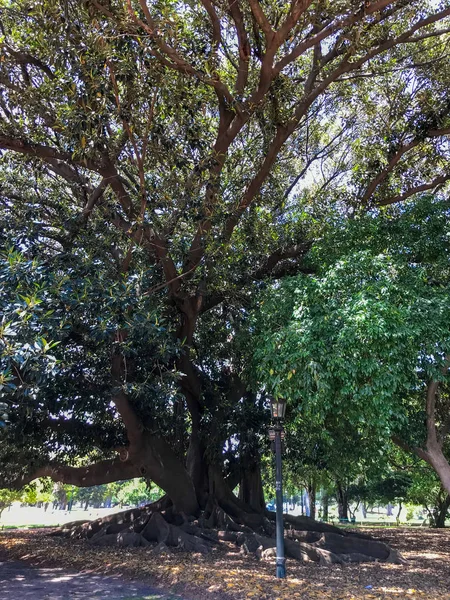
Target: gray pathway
19,581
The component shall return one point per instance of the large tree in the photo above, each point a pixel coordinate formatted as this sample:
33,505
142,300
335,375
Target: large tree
182,151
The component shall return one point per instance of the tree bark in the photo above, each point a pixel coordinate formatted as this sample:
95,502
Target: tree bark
440,513
432,453
436,458
311,490
154,459
161,464
251,488
352,511
341,494
325,503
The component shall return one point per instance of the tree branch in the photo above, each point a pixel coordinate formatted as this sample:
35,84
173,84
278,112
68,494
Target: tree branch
24,58
438,181
283,132
133,424
432,389
105,471
244,45
280,255
256,183
410,449
329,30
169,57
262,20
215,22
396,158
298,7
45,152
322,153
94,197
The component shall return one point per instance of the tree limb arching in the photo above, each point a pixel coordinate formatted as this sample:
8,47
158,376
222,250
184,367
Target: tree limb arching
105,471
396,159
435,183
432,453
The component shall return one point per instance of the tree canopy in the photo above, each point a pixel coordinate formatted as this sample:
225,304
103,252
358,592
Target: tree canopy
162,162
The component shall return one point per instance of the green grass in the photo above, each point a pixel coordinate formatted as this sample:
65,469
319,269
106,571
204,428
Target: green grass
31,526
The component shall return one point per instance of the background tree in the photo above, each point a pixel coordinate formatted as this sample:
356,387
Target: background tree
7,497
427,490
364,345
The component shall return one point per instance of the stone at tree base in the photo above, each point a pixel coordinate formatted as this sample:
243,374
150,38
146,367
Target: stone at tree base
267,553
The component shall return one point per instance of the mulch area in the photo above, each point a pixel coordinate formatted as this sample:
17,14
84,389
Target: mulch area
227,575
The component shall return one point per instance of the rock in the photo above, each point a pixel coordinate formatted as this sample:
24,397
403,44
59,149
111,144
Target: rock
267,553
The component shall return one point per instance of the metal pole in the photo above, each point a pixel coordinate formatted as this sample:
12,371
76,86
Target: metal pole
281,561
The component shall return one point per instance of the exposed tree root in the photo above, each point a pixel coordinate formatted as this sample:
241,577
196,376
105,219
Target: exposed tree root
305,540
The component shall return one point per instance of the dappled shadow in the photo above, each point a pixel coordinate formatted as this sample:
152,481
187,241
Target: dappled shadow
20,581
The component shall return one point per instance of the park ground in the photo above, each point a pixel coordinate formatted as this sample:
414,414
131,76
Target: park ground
227,575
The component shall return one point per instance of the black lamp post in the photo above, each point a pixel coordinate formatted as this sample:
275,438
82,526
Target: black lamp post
276,434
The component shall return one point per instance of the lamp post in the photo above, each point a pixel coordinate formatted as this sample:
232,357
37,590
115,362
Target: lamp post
276,434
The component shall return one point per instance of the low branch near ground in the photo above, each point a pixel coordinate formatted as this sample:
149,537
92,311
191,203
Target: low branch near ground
105,471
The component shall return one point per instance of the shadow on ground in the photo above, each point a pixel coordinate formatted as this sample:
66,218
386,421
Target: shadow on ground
21,581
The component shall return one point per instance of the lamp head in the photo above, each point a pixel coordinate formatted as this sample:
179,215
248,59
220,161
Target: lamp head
277,407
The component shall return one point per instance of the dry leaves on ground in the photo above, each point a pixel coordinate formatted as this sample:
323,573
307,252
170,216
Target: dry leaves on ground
227,575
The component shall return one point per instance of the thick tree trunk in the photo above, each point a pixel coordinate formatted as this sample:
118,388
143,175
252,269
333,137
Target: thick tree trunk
342,500
440,513
221,494
432,453
160,463
436,458
251,489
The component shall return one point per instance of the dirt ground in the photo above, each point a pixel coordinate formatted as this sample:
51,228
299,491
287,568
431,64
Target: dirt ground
227,575
20,580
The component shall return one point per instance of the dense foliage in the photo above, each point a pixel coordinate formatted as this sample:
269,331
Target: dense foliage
354,348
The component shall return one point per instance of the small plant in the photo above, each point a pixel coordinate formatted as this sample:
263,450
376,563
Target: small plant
410,513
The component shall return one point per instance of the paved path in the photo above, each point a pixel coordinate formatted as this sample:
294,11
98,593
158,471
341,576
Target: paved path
19,581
